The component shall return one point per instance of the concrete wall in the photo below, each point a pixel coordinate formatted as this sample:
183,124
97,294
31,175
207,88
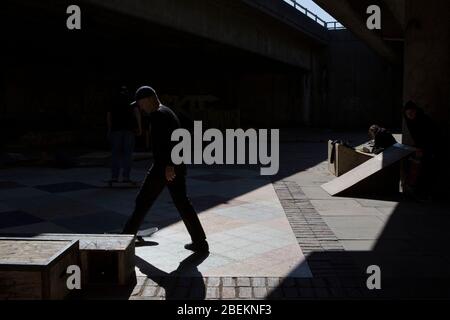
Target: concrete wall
77,94
427,59
272,100
427,78
68,77
363,88
233,73
240,24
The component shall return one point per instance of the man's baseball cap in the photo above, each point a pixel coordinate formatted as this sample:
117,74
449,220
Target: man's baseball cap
144,92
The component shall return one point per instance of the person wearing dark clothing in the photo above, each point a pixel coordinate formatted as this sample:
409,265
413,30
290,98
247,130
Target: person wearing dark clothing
162,123
421,128
164,172
382,138
124,124
426,139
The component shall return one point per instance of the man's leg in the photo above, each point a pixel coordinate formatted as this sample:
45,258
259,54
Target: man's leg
128,148
151,188
177,189
116,146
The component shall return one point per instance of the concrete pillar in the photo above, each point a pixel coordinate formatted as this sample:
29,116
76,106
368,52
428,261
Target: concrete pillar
426,59
426,66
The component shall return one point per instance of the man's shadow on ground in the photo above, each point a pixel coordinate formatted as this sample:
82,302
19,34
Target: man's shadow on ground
145,243
173,282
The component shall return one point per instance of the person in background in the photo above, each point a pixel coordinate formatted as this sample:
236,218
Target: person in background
426,140
382,138
124,123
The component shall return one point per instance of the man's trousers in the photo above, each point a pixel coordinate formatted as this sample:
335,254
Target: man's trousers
153,185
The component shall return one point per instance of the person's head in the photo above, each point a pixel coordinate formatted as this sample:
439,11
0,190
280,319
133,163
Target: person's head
123,95
123,91
410,110
147,99
373,131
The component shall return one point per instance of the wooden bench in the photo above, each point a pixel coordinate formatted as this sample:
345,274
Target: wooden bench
36,268
104,259
345,159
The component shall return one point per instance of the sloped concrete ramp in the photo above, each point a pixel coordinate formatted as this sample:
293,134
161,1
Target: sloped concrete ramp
367,169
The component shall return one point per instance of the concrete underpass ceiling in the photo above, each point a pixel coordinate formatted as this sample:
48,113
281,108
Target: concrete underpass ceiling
110,37
352,14
112,32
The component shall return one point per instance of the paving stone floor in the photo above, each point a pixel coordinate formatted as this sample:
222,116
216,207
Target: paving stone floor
271,238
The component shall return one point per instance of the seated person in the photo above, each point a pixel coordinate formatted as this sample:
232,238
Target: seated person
427,139
381,139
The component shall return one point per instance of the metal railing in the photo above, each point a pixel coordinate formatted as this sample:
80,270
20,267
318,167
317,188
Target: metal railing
334,25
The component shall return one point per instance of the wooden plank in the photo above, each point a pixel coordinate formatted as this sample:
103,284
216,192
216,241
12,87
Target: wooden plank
36,254
57,274
126,266
381,161
90,241
347,159
109,255
30,252
26,285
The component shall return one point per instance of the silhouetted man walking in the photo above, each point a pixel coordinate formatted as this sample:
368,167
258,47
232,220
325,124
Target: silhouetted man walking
163,172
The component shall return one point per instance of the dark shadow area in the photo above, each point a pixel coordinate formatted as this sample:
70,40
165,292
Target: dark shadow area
186,282
412,252
104,292
146,243
180,282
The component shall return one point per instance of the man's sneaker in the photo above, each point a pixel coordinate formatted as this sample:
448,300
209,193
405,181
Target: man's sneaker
198,246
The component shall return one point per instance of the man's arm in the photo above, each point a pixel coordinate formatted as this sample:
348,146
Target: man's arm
161,147
170,173
161,139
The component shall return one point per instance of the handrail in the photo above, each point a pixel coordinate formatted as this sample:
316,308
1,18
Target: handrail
333,25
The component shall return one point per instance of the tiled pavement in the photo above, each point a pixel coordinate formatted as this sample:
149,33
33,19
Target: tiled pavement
287,239
409,240
243,218
311,231
254,288
247,229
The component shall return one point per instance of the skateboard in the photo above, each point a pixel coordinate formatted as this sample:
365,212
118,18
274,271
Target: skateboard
145,233
131,184
141,233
